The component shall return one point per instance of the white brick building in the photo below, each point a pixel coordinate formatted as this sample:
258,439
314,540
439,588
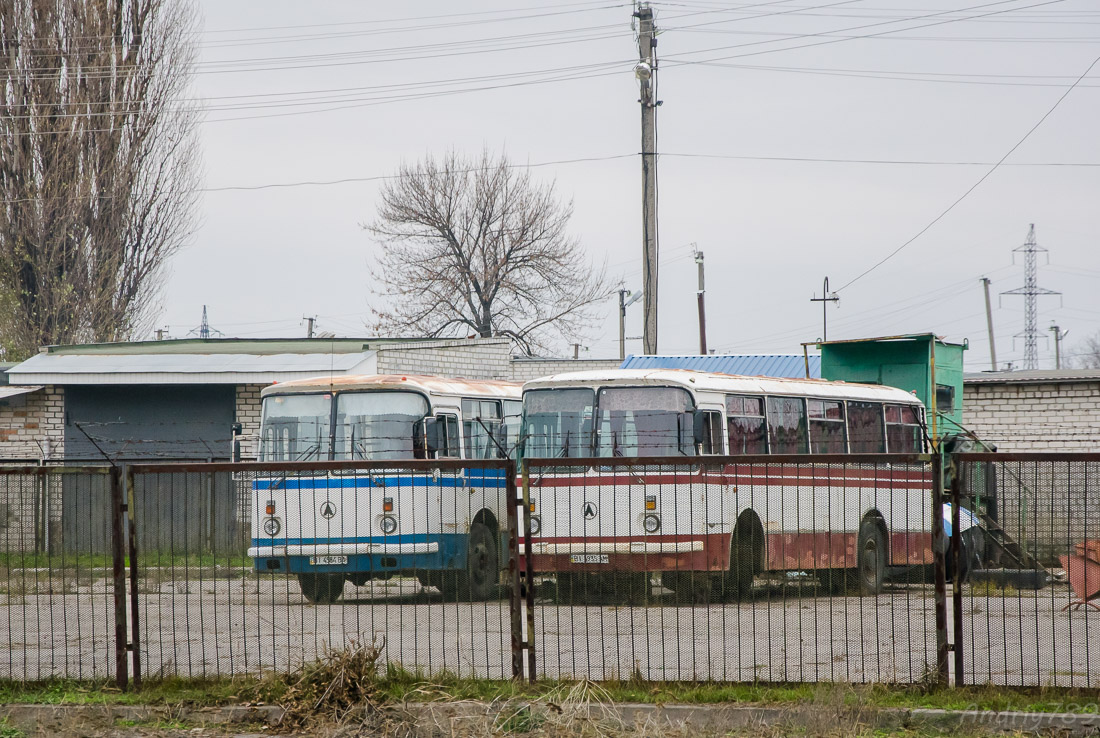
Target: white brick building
1042,410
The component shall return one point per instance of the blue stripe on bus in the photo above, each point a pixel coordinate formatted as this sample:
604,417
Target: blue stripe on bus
376,482
410,538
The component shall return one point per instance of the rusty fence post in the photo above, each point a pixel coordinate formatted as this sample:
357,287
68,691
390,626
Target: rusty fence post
135,618
118,568
515,601
529,570
939,565
956,580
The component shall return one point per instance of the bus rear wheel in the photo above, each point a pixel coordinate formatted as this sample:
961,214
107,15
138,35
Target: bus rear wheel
321,589
871,558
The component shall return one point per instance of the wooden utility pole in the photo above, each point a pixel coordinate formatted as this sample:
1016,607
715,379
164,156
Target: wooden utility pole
989,325
702,306
646,72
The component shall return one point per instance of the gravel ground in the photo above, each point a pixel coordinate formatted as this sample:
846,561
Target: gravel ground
202,626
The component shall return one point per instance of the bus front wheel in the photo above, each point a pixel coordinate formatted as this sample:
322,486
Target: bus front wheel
478,581
321,588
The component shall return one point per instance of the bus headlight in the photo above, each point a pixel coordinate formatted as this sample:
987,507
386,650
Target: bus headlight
651,523
272,526
388,524
536,525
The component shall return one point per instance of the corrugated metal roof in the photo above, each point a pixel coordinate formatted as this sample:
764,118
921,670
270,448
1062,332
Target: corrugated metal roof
792,366
185,368
1034,376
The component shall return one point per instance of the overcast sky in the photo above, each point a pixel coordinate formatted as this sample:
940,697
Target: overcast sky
799,139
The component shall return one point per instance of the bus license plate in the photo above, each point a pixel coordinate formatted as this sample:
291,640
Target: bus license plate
587,558
327,560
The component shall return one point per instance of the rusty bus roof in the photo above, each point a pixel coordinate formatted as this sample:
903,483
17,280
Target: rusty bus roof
432,385
717,382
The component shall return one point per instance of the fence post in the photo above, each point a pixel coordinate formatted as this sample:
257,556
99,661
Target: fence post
939,548
135,618
118,567
515,602
956,580
529,568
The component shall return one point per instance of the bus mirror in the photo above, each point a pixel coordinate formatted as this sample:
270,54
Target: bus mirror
431,434
699,427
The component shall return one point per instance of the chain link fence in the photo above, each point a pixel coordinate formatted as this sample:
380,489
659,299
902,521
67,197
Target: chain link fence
731,569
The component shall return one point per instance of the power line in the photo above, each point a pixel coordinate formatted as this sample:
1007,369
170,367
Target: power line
975,186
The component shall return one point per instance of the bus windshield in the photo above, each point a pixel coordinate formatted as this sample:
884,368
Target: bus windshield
557,423
295,427
644,421
378,426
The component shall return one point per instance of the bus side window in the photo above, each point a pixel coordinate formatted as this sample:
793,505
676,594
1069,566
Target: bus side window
865,431
713,442
787,425
480,426
745,425
903,431
513,412
826,426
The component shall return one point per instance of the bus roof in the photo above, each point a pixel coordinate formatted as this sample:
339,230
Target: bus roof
432,385
731,383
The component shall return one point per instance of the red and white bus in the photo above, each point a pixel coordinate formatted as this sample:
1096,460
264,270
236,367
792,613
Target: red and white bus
710,529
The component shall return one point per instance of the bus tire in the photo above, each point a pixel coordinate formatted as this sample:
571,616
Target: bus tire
478,581
321,589
746,550
871,558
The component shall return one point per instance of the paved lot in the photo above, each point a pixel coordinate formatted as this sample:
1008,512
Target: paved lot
193,625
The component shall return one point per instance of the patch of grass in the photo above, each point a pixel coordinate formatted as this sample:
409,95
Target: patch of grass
354,676
990,589
7,730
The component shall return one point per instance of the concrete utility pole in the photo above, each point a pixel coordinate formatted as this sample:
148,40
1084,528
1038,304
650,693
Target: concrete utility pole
825,299
309,327
989,325
624,303
1059,334
702,306
646,72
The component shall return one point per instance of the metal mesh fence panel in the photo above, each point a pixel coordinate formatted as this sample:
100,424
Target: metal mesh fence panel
56,580
407,556
782,569
1028,599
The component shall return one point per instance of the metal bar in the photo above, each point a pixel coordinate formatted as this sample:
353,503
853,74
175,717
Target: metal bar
940,571
118,565
135,611
39,470
515,602
529,568
1032,456
956,580
707,461
253,466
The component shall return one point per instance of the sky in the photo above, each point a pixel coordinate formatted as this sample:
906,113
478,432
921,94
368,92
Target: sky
856,140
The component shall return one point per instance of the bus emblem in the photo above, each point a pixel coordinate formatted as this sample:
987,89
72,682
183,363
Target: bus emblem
328,510
590,511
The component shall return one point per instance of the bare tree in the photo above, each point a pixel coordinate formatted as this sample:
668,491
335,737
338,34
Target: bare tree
98,164
1086,355
476,246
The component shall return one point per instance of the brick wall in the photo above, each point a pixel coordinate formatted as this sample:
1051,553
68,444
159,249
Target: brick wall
473,358
32,425
1045,506
1054,416
524,369
247,413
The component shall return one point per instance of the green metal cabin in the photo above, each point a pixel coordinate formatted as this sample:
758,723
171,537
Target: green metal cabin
920,363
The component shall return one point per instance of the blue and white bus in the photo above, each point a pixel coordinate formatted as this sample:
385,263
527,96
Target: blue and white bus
335,526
